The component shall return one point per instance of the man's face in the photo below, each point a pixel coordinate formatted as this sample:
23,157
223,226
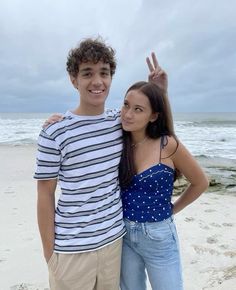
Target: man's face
93,83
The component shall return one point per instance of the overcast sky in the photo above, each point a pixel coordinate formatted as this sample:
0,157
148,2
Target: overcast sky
195,42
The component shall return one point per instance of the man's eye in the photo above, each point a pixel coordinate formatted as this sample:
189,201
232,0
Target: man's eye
105,74
86,74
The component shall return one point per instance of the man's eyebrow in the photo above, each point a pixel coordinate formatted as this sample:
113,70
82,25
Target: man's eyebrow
105,68
87,69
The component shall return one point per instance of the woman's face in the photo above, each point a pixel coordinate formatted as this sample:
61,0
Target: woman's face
136,112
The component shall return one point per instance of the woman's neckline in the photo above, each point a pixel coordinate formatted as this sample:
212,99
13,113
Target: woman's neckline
158,164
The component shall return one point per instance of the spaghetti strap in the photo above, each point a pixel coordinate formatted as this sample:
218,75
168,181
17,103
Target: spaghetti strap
163,143
160,149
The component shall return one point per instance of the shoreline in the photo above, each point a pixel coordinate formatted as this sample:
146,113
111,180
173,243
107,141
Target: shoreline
205,230
221,172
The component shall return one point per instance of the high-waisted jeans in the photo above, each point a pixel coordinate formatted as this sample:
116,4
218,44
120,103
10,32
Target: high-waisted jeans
151,248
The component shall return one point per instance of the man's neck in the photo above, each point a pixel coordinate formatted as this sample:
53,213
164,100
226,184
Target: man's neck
88,111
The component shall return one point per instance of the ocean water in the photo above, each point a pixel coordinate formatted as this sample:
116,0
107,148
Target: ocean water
20,128
206,135
211,137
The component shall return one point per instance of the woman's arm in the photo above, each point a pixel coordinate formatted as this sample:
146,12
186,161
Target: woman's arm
190,168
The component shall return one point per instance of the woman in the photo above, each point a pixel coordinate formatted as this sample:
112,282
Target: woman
152,157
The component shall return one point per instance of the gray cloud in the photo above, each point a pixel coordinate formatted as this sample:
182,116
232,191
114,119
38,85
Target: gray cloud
194,41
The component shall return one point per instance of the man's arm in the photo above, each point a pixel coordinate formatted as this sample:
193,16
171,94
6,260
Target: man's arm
46,214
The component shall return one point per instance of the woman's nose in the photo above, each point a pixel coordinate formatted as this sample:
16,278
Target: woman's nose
129,113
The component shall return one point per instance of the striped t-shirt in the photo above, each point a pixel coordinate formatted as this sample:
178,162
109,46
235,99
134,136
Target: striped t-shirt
83,152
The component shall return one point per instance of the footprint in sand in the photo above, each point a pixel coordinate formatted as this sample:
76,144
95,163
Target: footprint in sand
210,210
202,250
189,219
224,247
215,225
25,286
204,227
227,225
230,254
19,287
217,276
9,192
212,240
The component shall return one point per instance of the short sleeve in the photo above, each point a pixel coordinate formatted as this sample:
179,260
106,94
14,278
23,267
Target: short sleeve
48,157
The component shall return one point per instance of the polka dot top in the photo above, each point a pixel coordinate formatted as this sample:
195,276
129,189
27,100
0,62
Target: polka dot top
148,198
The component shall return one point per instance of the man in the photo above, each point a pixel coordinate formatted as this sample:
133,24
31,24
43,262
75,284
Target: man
82,237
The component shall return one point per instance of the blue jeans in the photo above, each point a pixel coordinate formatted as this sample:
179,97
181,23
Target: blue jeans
152,248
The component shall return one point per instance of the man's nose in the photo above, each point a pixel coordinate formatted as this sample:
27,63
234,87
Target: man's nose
97,80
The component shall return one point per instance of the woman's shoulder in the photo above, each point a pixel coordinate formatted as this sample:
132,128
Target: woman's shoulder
170,145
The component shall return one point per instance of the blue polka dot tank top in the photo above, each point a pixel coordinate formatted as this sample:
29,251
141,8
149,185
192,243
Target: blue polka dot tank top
148,198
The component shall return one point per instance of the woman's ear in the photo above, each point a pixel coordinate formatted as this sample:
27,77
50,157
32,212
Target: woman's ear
154,117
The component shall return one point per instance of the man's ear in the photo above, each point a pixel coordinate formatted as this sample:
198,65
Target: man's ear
74,81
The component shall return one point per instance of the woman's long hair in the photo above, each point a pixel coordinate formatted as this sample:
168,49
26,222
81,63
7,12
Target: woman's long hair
163,126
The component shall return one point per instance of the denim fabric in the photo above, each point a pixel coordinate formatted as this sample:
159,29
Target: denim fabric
151,248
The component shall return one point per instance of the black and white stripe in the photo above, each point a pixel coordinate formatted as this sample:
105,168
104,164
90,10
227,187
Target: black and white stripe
83,152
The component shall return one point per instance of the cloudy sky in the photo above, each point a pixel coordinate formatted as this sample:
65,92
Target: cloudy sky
195,42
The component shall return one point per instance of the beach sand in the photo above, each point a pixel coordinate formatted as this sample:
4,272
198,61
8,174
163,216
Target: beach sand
206,232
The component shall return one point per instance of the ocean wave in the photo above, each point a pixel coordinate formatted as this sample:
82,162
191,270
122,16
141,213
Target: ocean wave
22,141
216,162
195,131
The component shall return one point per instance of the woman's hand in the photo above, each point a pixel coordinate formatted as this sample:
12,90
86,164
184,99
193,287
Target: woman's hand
53,119
157,74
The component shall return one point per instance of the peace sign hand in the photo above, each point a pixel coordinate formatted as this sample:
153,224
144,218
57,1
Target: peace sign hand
157,74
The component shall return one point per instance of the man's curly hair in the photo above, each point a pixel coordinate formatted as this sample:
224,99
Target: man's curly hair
90,50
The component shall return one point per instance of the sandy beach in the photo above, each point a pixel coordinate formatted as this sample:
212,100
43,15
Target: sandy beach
207,231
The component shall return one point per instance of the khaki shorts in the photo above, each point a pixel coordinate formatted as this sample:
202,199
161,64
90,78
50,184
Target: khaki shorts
96,270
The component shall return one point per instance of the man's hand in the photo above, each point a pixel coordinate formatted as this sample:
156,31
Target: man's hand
157,74
48,254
